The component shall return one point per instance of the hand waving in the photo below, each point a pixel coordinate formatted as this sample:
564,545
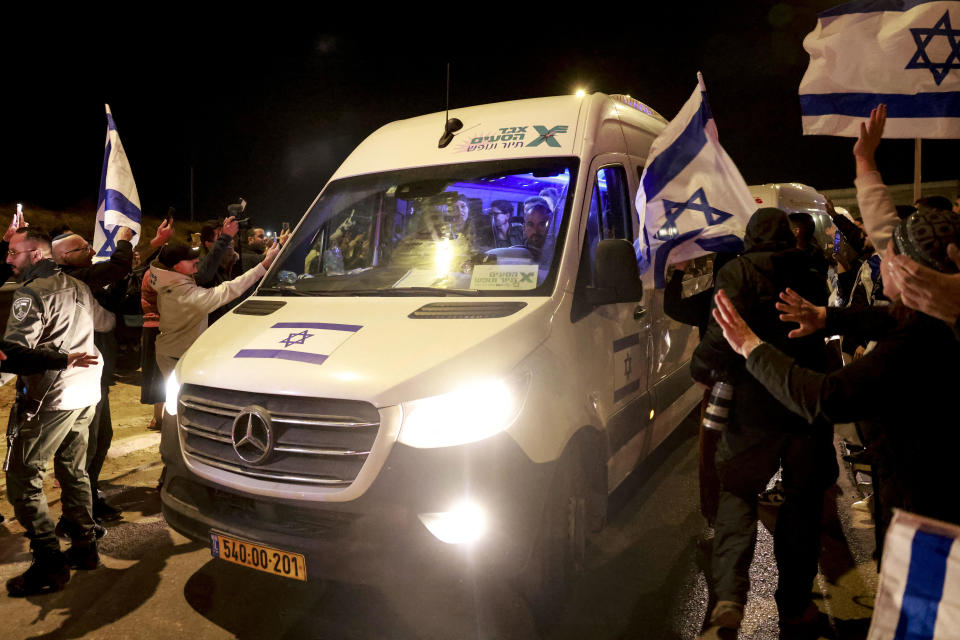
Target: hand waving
871,132
795,308
739,335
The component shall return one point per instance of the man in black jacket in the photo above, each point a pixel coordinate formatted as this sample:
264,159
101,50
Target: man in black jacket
762,435
218,261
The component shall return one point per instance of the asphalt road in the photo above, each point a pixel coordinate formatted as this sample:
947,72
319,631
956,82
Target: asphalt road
642,579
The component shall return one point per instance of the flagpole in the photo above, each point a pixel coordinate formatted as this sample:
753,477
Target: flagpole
916,169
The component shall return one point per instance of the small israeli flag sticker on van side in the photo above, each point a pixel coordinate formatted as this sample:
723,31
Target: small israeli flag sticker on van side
628,367
306,342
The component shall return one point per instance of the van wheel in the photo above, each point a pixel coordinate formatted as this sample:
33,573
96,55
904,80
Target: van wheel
560,546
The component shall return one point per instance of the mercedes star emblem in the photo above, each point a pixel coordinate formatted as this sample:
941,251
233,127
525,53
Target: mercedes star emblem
253,435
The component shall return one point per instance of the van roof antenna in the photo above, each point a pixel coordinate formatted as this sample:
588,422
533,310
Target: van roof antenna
450,125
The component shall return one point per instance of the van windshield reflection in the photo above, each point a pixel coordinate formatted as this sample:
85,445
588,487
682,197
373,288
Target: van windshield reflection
488,228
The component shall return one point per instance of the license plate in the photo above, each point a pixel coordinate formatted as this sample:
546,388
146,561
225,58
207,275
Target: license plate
255,556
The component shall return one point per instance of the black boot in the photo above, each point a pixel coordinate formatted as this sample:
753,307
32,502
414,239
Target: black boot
83,555
67,529
103,512
48,573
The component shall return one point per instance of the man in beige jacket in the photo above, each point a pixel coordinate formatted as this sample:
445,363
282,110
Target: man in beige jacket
184,305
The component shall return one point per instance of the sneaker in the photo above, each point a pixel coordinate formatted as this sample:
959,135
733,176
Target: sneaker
49,572
103,512
83,556
727,615
67,529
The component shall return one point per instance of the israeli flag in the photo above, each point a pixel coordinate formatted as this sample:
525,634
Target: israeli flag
306,342
919,593
118,203
904,53
692,199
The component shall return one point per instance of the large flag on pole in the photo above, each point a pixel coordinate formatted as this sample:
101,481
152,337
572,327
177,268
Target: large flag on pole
118,202
692,199
919,592
904,53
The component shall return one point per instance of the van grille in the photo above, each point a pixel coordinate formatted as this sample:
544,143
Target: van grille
317,441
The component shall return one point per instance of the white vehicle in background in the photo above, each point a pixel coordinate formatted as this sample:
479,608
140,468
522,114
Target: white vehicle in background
793,197
408,389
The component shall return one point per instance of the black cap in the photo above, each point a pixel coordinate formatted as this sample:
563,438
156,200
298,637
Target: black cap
171,254
924,236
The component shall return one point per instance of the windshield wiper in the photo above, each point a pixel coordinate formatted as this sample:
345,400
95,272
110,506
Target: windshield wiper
419,291
372,293
282,291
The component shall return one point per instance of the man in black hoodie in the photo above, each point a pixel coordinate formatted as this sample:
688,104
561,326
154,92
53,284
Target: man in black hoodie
762,435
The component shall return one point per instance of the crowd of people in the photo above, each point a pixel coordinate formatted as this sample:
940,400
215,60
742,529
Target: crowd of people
890,288
61,339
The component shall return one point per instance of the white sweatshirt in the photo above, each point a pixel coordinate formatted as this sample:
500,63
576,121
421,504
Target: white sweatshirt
877,208
184,305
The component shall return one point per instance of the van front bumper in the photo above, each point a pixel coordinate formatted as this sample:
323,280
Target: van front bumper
371,538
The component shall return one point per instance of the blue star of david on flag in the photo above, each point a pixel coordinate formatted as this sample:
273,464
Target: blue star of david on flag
923,39
118,201
902,53
696,202
296,338
327,336
693,200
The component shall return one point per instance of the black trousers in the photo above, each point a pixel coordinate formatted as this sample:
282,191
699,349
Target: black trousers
746,460
101,435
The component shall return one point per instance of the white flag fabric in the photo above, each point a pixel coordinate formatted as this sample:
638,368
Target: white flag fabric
692,199
919,593
904,53
118,204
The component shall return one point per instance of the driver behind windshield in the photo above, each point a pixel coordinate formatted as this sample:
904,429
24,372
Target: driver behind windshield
536,217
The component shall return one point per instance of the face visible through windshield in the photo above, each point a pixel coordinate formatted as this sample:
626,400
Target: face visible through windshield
535,222
489,228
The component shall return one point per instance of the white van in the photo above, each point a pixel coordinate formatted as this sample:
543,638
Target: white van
426,376
793,197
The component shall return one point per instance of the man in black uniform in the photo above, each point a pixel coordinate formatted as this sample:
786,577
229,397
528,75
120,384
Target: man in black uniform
762,435
53,412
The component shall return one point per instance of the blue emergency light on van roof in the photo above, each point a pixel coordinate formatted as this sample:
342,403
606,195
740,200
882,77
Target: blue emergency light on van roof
639,106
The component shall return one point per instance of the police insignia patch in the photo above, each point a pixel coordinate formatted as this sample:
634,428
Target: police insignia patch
21,306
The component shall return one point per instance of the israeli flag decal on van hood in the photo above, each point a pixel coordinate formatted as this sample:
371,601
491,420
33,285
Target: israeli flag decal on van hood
308,342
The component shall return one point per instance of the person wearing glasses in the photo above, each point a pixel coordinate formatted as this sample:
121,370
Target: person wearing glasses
108,281
52,413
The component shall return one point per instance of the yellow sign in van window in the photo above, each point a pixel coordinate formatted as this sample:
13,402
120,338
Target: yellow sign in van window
504,277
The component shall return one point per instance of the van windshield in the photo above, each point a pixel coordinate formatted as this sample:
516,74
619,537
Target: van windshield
489,228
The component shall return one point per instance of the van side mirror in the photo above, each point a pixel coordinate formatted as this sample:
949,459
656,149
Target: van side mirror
616,274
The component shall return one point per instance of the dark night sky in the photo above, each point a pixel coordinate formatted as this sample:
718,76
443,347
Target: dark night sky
268,109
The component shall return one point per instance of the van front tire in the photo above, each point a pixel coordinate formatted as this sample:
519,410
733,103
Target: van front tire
559,549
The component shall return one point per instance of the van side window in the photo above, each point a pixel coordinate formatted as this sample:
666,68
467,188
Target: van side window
613,202
609,216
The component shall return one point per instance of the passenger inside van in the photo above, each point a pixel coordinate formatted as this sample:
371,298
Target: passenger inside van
536,220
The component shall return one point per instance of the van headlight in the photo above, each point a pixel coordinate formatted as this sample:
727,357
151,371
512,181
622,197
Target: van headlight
473,412
173,392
